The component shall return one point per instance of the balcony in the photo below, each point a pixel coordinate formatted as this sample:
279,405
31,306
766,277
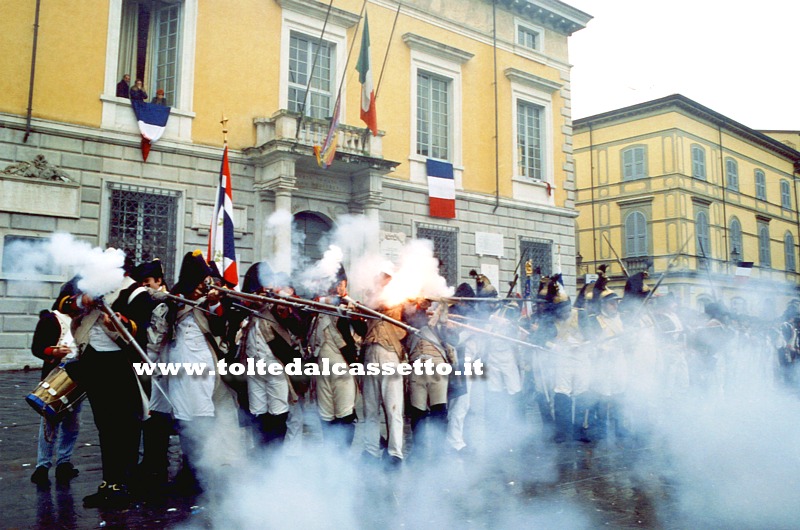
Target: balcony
639,264
281,128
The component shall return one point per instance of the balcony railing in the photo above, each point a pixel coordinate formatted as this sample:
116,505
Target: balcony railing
638,264
283,126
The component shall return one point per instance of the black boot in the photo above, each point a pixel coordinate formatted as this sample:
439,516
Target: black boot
585,418
347,427
65,472
417,431
562,408
437,429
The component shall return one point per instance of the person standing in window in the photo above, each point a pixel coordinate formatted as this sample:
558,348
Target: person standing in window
160,99
124,87
137,91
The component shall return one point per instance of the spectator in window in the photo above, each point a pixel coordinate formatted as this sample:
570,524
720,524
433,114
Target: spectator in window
137,91
124,87
160,99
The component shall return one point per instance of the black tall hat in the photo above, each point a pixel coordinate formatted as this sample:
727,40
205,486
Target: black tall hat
463,307
257,277
148,269
341,274
194,270
635,285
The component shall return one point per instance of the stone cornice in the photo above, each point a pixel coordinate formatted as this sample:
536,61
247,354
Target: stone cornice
539,83
432,47
553,14
318,10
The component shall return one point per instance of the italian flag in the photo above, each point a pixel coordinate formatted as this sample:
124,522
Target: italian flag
368,112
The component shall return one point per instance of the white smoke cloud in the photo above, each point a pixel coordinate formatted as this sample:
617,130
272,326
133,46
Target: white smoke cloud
100,271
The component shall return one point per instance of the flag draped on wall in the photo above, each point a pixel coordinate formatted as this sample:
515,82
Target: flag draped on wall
152,120
369,113
743,271
441,189
221,248
327,151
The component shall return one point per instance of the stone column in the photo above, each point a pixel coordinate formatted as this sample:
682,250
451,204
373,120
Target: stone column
275,184
367,199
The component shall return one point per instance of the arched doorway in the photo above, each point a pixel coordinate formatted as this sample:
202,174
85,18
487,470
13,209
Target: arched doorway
315,228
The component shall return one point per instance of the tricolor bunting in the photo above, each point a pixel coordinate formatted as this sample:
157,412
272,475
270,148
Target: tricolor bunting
152,120
441,189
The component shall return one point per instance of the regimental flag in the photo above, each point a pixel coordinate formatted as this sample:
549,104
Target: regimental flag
221,248
369,113
527,305
743,270
152,120
327,151
441,189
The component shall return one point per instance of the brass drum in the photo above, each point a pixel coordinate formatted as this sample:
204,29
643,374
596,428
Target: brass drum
56,395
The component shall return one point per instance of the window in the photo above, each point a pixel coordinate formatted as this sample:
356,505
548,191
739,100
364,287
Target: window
732,174
445,248
433,123
635,235
761,185
528,37
698,162
539,252
529,140
788,252
786,195
150,42
736,238
433,116
633,163
144,223
304,52
703,237
764,256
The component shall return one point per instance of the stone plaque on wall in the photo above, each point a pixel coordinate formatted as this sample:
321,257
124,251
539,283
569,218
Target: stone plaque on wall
391,245
40,197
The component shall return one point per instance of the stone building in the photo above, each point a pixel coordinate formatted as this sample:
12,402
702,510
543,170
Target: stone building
483,86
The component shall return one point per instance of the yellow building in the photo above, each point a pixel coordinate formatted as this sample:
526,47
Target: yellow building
674,188
477,84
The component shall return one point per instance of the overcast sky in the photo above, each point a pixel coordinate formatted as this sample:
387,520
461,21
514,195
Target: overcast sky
739,58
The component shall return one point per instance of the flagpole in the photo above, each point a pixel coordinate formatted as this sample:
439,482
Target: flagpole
388,46
224,122
311,73
350,53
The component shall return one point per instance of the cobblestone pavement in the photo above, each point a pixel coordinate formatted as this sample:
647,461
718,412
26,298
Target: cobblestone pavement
536,484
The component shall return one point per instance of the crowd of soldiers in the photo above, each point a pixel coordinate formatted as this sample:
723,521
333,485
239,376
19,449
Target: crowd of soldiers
585,370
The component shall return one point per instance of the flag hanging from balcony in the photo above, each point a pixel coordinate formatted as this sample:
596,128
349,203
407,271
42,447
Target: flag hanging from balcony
369,113
152,120
441,189
327,151
221,248
743,270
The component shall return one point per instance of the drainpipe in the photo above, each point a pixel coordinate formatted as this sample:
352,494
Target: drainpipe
591,200
796,208
724,203
33,72
496,125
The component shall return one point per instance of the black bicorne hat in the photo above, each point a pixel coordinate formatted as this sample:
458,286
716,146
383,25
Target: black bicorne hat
257,277
194,270
148,269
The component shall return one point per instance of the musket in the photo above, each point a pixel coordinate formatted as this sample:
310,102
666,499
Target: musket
298,303
621,264
128,338
708,269
513,283
499,336
664,274
163,295
402,325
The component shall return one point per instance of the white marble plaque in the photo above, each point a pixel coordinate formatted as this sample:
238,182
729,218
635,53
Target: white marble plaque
488,244
391,245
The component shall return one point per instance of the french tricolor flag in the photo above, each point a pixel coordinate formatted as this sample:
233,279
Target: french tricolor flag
152,121
441,189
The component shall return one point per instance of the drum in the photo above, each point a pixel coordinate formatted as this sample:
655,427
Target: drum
56,395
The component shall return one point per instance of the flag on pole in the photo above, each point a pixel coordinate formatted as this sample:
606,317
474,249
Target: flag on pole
369,113
221,248
152,121
441,189
327,151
